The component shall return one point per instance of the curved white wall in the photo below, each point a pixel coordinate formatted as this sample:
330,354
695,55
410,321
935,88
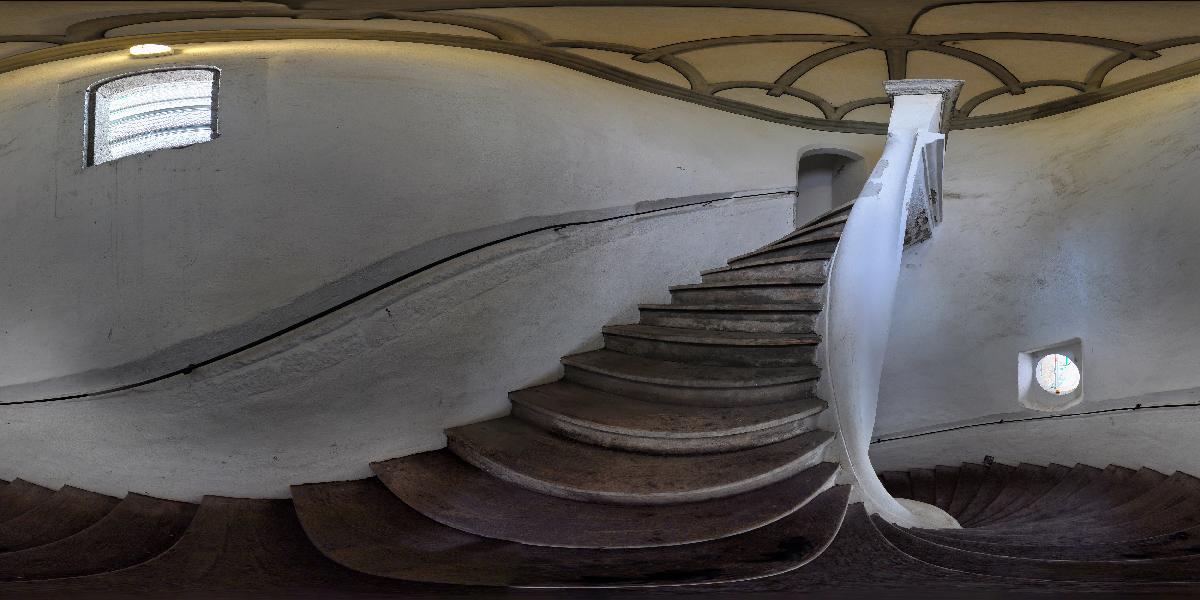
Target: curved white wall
1080,225
340,164
385,377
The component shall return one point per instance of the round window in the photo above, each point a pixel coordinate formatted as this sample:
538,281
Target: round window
1057,374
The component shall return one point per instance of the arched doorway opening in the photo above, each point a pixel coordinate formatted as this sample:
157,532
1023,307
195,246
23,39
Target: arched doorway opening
827,178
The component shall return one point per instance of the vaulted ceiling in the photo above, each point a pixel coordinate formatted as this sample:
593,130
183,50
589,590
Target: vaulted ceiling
812,63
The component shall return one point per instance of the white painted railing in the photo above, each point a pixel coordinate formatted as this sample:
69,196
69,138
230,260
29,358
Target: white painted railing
899,204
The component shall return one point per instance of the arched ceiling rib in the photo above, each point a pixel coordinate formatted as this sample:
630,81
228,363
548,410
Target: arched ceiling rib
812,63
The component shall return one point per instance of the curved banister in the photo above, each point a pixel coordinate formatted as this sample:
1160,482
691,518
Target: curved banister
898,204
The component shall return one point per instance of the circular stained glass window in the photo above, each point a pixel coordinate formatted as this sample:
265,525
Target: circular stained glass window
1057,374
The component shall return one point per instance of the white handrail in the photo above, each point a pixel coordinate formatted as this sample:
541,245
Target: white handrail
900,202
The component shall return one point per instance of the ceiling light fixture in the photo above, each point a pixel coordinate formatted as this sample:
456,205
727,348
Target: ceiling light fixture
148,50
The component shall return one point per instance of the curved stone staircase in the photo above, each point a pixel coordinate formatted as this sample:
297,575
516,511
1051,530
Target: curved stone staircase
1055,524
683,452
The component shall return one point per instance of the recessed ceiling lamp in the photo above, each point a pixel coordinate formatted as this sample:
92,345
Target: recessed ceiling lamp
148,50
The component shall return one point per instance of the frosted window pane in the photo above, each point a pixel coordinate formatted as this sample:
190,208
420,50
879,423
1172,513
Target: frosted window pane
148,111
1057,374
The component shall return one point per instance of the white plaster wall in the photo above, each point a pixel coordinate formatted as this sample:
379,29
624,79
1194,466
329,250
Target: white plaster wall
340,164
1163,439
1080,225
385,377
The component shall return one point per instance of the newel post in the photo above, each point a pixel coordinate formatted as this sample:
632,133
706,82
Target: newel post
921,109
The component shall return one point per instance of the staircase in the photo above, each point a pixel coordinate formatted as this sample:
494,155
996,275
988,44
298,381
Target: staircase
683,452
1055,524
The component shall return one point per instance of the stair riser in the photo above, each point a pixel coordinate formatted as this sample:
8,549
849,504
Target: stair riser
783,294
690,395
469,454
662,445
750,322
806,269
834,229
793,252
705,354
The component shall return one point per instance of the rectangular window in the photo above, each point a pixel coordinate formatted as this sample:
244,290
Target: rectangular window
147,111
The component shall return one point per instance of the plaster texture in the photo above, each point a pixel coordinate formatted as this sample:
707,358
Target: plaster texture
1163,439
386,377
1081,225
340,164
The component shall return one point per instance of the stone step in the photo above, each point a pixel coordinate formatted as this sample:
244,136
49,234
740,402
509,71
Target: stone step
714,348
813,268
754,318
1038,481
1078,477
1020,479
19,497
613,421
810,247
945,481
524,455
970,476
810,232
923,489
897,483
825,217
1073,491
233,547
66,512
1011,521
1109,513
757,291
362,525
136,530
1180,543
993,483
446,489
679,383
837,221
1129,571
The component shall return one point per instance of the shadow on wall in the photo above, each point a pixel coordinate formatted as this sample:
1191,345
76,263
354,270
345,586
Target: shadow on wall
827,178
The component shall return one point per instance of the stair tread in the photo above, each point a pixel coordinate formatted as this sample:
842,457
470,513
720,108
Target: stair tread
711,336
813,226
450,491
233,544
819,256
993,483
1169,569
1039,480
622,414
134,531
1168,545
774,282
790,307
923,486
663,372
831,213
1018,483
19,497
526,455
794,244
945,481
68,511
970,477
381,535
